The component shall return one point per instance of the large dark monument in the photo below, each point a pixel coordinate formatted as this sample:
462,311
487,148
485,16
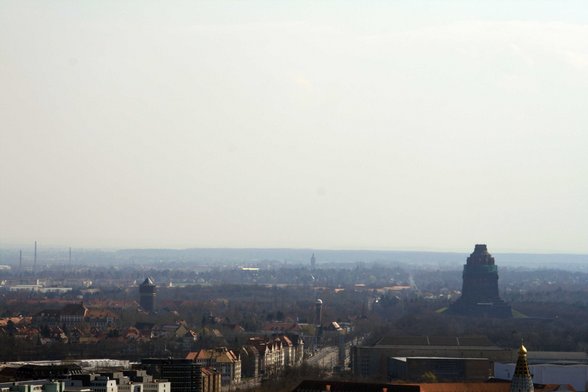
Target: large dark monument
479,294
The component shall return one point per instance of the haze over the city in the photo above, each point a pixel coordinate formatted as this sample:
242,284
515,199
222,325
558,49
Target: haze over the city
342,125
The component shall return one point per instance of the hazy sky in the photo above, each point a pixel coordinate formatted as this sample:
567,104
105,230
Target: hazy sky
429,125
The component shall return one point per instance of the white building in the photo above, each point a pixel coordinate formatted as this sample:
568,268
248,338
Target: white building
130,387
157,386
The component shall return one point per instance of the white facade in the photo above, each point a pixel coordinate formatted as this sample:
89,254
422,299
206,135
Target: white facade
156,386
130,387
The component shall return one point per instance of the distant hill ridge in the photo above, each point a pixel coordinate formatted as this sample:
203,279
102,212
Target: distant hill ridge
324,257
348,256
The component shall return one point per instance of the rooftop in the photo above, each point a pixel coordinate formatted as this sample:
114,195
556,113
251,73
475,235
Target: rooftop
438,341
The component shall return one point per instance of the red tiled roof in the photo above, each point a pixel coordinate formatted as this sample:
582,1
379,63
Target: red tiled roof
465,387
192,355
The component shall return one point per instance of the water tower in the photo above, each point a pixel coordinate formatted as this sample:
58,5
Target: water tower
147,292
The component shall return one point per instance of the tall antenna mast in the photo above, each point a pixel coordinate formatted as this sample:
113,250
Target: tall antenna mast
20,266
68,268
35,265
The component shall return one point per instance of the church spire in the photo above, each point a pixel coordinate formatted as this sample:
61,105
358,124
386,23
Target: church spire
521,379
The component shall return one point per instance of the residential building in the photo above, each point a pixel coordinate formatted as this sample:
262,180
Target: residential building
223,359
72,314
288,351
211,380
249,362
270,358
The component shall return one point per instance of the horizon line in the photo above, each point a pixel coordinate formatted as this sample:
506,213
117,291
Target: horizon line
66,248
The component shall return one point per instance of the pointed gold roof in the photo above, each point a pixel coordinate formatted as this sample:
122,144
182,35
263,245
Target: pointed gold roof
522,381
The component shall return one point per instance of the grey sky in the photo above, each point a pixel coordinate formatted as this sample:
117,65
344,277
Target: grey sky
389,125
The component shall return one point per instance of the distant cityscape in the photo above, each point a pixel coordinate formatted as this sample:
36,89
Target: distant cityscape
270,325
293,196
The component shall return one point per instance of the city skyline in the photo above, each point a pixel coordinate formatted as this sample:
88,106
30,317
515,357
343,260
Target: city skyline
402,126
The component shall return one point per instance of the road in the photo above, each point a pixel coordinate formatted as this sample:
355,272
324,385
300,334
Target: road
325,358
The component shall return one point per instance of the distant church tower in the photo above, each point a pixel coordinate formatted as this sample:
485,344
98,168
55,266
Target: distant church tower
147,292
479,294
521,379
312,262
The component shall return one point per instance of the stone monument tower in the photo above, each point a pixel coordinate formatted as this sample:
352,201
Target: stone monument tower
479,294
